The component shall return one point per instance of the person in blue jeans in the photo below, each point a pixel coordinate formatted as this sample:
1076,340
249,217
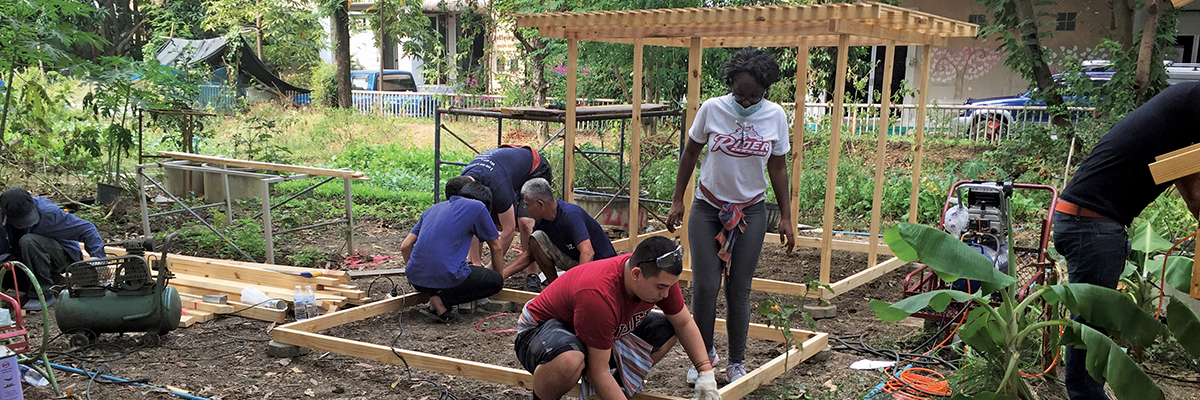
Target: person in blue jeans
435,252
1110,189
39,234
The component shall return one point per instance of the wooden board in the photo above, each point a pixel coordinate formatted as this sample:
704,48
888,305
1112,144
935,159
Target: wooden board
569,124
835,146
243,309
919,146
301,333
788,29
339,275
200,316
375,272
866,276
186,321
686,16
336,173
635,149
885,109
1177,166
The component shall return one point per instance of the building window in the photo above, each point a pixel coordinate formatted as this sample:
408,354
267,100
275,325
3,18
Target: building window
1066,21
500,64
977,19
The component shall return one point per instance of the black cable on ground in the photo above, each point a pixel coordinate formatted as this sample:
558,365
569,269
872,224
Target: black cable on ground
859,346
443,393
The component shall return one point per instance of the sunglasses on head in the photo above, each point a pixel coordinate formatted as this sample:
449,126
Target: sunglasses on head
668,259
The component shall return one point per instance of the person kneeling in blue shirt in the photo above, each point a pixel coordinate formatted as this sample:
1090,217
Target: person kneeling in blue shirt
46,239
436,252
564,236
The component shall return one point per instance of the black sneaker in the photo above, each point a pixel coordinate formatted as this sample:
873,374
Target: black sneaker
445,318
533,284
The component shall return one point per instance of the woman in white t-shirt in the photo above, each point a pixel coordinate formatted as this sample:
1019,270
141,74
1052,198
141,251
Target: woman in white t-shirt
744,133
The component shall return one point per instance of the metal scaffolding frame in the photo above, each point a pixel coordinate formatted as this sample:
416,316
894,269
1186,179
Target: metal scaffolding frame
221,166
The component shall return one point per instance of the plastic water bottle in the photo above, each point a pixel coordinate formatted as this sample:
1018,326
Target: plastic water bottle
311,302
299,301
32,377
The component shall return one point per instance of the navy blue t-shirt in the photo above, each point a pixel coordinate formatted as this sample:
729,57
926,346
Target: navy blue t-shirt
504,170
1115,179
572,225
444,234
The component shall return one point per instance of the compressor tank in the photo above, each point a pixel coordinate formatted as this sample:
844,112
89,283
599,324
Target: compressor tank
117,313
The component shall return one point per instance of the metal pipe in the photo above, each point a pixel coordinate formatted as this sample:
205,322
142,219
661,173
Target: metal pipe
581,191
182,210
228,196
461,164
607,153
189,209
349,219
267,228
499,132
119,380
551,140
621,158
464,142
316,225
437,154
296,177
141,182
215,170
295,195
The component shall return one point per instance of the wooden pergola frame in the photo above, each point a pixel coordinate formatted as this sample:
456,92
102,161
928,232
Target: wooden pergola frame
305,334
842,25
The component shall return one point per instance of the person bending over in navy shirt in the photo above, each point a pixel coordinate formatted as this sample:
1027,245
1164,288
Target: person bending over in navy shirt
45,238
504,170
435,252
563,237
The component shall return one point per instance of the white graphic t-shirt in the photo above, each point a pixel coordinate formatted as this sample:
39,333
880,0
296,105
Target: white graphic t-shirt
738,148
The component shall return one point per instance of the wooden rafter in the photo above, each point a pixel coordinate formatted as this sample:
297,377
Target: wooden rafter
867,23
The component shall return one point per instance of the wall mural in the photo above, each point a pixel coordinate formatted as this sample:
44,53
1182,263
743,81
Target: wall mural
1058,56
962,64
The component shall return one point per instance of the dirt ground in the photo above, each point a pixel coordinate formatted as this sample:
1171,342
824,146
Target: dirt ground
226,358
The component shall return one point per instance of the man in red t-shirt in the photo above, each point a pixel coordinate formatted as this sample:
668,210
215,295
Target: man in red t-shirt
600,312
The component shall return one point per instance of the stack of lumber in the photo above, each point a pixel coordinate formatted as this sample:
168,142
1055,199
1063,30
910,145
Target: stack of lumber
198,276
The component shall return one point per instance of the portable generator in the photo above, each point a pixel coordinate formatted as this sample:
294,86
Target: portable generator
119,294
981,223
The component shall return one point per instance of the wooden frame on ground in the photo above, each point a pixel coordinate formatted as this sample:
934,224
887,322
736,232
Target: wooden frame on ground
841,25
304,334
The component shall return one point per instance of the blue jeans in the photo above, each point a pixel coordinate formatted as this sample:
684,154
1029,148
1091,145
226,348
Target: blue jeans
1095,250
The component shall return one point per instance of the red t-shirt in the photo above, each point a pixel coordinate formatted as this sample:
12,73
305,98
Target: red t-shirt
594,295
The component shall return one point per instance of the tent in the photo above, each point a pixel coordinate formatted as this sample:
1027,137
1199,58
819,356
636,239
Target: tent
212,52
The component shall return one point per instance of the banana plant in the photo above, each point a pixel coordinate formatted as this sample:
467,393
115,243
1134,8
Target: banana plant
998,332
1144,268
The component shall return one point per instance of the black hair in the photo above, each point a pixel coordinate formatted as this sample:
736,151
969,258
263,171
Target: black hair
756,62
454,185
478,191
649,250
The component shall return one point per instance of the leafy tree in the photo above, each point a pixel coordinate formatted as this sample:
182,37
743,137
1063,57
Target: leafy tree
339,13
38,33
287,33
407,24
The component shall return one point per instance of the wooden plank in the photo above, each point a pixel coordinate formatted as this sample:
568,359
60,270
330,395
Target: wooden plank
885,112
196,303
1175,167
187,321
798,125
699,30
241,309
866,276
249,275
200,316
635,149
769,285
1195,292
695,67
1178,152
919,144
624,242
712,15
325,273
226,286
835,147
569,126
845,245
883,32
775,368
337,173
340,317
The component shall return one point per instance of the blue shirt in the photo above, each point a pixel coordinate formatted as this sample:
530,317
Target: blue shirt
503,170
571,226
444,235
54,223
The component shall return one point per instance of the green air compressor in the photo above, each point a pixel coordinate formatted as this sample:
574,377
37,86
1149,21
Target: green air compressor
118,294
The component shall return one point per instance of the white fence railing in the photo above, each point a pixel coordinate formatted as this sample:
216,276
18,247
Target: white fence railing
978,123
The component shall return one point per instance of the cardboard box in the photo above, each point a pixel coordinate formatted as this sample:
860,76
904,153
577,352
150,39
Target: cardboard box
10,376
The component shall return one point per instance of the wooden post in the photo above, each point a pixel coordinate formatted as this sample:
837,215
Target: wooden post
569,130
835,147
695,62
885,111
798,126
918,147
635,147
1196,275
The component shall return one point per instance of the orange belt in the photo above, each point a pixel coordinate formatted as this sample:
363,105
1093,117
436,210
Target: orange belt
1066,207
537,158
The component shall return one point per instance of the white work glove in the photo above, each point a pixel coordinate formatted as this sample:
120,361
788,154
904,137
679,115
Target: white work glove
706,387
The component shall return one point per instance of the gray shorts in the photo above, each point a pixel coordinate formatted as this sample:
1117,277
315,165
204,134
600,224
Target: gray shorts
561,260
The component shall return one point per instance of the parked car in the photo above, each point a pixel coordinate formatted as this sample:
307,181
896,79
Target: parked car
397,102
995,115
